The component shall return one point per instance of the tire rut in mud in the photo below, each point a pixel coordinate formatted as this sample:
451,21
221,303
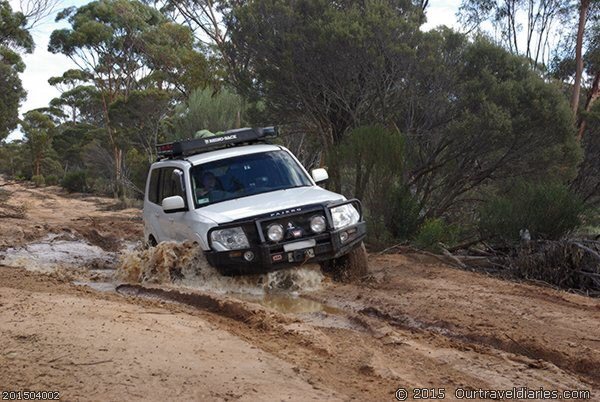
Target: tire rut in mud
229,308
584,367
253,316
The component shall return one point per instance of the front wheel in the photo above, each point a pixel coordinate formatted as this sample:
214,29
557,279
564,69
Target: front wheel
151,242
348,267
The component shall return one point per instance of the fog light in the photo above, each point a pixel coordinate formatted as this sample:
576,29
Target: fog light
318,224
248,256
275,232
343,237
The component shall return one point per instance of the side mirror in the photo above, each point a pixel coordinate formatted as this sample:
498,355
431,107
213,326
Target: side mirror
173,204
319,175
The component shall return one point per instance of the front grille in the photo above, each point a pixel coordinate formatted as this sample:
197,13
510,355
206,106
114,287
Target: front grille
293,221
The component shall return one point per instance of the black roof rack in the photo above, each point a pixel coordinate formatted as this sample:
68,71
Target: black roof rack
228,138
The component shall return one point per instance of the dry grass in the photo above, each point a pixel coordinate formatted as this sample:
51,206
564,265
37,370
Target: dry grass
4,195
11,211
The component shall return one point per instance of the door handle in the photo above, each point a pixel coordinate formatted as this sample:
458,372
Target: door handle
156,214
171,220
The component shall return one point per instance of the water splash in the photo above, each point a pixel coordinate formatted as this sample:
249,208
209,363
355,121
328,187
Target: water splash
184,265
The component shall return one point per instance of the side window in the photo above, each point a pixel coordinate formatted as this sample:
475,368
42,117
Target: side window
153,187
171,182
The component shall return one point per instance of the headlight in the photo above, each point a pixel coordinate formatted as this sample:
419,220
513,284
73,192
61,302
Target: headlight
229,239
317,224
344,215
275,232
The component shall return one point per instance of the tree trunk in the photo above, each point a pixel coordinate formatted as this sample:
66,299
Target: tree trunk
119,179
334,168
583,10
592,96
37,165
119,188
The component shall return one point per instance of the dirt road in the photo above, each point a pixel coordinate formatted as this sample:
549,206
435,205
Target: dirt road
66,326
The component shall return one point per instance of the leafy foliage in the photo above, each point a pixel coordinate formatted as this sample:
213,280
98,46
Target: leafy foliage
13,29
208,110
371,159
404,214
121,44
523,27
52,180
38,180
39,130
75,182
548,210
433,232
502,121
126,47
587,183
138,117
14,37
325,63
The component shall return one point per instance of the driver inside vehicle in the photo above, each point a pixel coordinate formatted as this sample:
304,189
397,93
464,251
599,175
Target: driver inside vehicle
209,183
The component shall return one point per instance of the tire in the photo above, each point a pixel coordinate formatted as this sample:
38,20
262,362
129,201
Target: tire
151,242
349,267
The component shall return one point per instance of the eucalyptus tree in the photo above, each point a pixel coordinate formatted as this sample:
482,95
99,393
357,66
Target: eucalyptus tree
39,130
524,27
329,66
14,39
126,46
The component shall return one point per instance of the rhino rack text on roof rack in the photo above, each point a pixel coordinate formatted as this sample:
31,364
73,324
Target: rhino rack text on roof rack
195,146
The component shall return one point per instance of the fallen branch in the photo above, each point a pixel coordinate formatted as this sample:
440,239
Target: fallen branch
592,274
589,250
465,245
453,258
391,248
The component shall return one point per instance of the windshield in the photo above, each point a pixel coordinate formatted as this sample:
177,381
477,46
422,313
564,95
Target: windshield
245,175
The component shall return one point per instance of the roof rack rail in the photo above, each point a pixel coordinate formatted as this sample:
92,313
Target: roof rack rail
228,138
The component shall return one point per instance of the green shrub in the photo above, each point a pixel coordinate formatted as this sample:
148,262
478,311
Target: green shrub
435,231
378,236
75,182
403,217
51,180
546,210
368,164
38,180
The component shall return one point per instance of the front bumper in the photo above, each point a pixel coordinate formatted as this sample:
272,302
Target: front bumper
271,257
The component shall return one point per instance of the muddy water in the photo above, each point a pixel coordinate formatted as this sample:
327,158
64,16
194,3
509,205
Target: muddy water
288,303
58,251
183,267
176,266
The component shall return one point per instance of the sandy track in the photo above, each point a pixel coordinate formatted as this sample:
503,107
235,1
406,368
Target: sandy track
415,323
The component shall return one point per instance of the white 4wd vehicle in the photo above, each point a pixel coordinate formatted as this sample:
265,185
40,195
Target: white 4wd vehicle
251,206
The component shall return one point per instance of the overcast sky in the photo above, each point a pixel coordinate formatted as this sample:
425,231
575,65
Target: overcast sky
42,64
